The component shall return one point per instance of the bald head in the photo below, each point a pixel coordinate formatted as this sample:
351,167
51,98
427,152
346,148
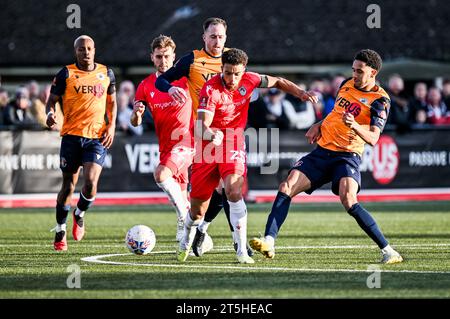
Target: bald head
81,39
85,52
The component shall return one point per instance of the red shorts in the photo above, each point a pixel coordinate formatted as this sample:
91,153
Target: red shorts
206,173
178,161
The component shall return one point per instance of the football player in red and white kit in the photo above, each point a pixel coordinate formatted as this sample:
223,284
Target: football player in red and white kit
173,124
222,117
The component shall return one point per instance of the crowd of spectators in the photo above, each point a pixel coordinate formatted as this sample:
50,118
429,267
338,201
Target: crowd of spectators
427,106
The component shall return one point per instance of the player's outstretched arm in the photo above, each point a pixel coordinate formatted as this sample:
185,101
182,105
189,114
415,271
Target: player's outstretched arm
289,87
50,110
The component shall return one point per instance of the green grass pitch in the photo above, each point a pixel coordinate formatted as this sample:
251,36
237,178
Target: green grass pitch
320,253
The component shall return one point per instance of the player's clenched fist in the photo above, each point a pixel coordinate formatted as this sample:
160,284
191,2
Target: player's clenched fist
348,119
51,120
139,108
217,138
178,94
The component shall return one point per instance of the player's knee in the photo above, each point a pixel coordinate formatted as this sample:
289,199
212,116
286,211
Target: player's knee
161,174
89,189
196,213
233,193
67,189
285,188
348,200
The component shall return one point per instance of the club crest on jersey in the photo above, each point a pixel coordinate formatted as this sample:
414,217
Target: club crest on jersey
100,76
363,100
242,90
63,162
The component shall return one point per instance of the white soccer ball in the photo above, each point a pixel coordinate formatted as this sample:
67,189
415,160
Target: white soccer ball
140,239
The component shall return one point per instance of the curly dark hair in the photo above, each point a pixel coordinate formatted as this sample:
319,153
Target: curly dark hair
370,57
234,57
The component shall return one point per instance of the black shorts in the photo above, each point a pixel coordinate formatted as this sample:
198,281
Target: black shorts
322,166
77,150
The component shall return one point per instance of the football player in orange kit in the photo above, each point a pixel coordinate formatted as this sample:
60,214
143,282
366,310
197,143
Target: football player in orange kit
358,117
86,92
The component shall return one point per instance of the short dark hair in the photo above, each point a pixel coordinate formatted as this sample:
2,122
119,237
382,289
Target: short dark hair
234,57
163,41
210,21
370,57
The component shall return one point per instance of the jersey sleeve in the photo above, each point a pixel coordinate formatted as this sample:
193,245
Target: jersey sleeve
112,82
176,72
379,112
59,82
256,79
207,103
140,95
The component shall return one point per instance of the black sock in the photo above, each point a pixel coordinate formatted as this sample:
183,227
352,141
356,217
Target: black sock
61,213
368,224
226,208
278,214
215,206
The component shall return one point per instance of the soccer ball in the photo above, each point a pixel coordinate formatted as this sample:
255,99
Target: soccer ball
140,239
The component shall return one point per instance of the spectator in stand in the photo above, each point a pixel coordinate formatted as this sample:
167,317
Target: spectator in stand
436,109
127,88
318,87
38,110
37,107
305,113
399,113
257,109
124,116
4,99
418,104
446,92
279,111
18,112
331,97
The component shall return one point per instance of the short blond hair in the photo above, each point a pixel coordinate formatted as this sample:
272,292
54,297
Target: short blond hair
163,41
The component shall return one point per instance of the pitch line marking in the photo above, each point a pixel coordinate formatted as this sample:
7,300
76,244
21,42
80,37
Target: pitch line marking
229,247
98,259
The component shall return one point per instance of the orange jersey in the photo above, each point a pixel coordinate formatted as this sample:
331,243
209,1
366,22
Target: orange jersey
368,107
83,99
198,67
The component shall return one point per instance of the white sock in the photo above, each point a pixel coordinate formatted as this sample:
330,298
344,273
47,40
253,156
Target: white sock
204,226
388,249
79,212
270,240
173,191
234,237
60,227
190,227
238,218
